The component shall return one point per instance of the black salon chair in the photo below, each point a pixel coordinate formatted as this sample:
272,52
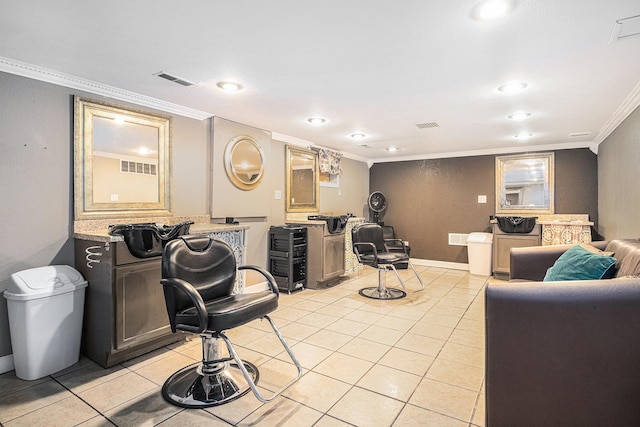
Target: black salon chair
198,276
370,248
395,245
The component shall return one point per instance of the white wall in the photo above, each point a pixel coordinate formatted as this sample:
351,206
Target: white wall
618,190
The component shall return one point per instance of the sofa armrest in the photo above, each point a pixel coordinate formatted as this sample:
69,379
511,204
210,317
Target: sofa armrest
563,353
532,263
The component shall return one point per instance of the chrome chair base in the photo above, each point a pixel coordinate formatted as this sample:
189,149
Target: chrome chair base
382,292
190,387
385,293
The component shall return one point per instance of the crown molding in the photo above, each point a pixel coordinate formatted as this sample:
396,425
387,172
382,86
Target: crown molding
308,145
489,152
61,79
631,102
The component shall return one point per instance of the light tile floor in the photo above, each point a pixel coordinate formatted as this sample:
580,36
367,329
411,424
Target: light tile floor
416,361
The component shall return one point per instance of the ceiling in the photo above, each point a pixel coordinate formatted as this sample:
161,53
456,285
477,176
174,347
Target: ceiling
371,66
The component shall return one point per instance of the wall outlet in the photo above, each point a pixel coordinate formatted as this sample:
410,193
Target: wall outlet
482,199
277,195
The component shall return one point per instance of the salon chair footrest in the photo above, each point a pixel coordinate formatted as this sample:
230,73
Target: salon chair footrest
190,388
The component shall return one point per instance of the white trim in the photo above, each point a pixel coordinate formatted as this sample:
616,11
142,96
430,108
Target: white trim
631,102
61,79
292,140
440,264
6,363
509,150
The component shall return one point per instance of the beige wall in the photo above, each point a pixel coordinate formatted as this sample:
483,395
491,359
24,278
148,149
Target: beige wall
618,177
36,171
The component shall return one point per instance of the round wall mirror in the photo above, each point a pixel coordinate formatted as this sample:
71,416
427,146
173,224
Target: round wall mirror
244,162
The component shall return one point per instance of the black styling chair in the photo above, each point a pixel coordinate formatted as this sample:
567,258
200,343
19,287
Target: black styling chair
198,276
371,249
396,245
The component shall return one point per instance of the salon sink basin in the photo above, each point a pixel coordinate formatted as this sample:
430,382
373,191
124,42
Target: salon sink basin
335,224
146,240
516,224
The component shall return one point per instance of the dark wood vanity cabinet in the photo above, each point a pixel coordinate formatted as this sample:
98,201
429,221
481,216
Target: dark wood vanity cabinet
125,314
502,244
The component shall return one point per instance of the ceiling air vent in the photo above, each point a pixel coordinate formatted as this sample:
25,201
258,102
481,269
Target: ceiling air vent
625,27
175,79
579,134
426,125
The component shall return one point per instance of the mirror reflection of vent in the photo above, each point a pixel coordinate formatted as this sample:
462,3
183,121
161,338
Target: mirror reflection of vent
175,79
426,125
138,167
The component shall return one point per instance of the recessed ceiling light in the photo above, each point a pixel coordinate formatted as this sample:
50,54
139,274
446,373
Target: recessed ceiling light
358,136
493,9
316,121
519,116
230,86
523,136
392,149
512,88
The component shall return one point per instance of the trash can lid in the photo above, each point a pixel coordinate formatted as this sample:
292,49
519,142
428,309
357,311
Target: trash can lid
44,281
477,237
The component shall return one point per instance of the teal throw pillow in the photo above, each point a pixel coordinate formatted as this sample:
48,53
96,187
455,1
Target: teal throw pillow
578,263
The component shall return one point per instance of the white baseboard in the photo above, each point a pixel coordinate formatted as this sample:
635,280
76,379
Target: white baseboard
440,264
258,287
6,363
263,286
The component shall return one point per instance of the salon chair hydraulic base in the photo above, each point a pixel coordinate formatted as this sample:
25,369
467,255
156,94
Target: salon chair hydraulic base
211,382
381,291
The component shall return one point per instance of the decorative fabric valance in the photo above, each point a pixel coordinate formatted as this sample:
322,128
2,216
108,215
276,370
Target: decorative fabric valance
330,161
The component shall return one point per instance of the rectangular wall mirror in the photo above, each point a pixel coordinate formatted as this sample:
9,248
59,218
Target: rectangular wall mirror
525,184
302,186
122,162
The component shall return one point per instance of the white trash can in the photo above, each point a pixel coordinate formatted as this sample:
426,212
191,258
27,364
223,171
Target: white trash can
45,307
480,249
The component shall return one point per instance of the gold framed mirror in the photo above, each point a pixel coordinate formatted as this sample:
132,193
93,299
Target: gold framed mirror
244,162
122,162
302,186
525,184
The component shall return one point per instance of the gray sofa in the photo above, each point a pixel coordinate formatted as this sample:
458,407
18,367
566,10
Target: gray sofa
564,353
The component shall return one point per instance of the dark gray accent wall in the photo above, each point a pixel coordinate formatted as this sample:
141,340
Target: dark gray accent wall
618,179
428,199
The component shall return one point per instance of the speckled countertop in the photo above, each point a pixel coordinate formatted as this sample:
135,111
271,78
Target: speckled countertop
98,230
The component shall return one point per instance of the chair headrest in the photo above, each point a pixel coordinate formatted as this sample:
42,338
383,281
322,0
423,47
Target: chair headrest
197,243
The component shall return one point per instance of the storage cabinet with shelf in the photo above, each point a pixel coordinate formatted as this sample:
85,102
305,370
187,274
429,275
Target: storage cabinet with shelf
325,254
288,257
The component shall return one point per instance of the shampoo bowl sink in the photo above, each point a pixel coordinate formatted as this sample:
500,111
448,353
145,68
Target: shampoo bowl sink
147,240
335,224
516,224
